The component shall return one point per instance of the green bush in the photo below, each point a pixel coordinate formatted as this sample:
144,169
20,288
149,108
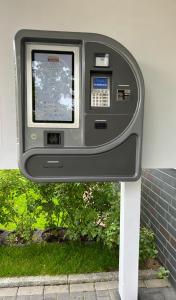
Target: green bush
147,245
88,210
18,203
50,204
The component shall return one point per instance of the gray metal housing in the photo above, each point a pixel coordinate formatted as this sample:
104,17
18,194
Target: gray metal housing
111,155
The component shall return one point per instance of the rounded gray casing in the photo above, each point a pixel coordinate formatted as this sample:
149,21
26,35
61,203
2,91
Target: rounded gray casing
103,143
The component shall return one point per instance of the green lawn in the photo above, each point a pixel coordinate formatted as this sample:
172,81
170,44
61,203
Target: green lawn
55,259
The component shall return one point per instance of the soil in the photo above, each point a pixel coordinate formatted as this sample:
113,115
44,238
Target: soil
151,263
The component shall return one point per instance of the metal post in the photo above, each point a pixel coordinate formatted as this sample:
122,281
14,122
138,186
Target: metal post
129,240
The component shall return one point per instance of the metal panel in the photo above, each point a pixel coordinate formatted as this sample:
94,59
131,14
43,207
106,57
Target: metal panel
118,163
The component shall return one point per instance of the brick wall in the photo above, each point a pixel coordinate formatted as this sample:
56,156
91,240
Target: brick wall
158,211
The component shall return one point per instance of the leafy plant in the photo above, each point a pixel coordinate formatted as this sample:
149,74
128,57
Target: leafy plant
147,245
18,204
88,210
49,202
163,273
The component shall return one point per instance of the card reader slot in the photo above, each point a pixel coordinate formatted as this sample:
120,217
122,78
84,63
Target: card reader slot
100,124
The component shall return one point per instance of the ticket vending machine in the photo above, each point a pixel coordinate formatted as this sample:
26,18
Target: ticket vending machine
80,107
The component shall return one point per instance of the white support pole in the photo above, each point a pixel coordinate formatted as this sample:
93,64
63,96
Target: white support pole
129,240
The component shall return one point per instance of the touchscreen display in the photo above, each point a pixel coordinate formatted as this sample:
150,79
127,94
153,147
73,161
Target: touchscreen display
53,86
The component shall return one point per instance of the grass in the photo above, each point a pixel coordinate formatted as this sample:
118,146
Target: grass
55,259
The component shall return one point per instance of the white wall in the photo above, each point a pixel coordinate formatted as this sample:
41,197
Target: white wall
146,28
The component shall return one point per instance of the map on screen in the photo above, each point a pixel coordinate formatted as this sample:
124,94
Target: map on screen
52,86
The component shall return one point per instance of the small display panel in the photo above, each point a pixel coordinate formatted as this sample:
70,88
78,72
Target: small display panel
100,82
102,60
52,86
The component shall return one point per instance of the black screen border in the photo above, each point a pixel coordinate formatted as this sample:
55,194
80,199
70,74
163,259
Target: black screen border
33,90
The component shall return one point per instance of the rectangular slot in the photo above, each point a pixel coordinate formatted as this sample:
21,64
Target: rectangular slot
53,164
100,125
123,94
53,138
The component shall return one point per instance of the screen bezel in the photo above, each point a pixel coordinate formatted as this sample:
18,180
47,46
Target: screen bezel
49,48
33,91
